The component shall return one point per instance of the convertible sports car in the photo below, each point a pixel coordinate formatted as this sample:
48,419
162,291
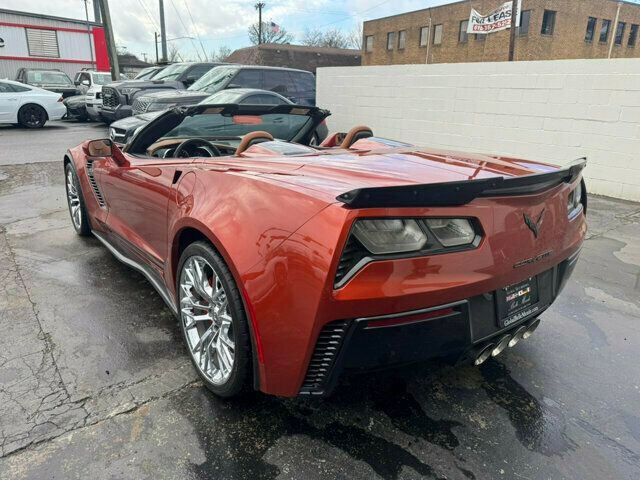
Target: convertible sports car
288,265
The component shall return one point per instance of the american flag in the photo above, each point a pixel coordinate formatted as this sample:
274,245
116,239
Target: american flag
275,28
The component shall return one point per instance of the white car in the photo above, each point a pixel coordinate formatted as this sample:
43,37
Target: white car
29,106
93,99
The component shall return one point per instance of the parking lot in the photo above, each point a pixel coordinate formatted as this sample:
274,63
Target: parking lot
95,380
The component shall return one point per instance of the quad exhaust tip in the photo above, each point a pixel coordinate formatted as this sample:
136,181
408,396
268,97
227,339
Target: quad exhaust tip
509,340
531,328
501,345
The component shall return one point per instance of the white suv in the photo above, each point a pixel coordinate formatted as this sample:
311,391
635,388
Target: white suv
89,83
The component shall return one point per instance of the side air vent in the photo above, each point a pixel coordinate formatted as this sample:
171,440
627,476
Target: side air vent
94,185
324,357
353,252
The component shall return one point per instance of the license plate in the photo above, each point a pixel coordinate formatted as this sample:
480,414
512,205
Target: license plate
517,301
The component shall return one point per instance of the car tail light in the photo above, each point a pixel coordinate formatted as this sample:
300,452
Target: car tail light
61,99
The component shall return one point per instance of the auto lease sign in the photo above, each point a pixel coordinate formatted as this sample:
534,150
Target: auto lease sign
499,19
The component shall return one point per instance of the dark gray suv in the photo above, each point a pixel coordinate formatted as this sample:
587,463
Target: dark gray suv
298,86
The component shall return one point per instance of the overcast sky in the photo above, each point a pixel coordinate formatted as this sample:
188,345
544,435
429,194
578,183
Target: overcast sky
219,22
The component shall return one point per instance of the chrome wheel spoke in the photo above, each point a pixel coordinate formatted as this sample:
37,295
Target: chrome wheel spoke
206,320
74,200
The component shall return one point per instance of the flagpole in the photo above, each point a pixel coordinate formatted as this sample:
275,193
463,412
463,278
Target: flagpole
512,33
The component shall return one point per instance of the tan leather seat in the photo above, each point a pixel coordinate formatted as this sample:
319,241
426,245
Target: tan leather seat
355,134
251,139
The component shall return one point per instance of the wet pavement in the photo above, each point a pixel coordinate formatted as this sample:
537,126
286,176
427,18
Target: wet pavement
95,381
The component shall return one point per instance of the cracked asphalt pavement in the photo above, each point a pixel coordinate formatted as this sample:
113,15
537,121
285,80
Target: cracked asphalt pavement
95,381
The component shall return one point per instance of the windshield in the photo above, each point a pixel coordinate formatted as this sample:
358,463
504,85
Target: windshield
223,96
145,73
229,123
281,126
213,80
48,78
102,78
172,71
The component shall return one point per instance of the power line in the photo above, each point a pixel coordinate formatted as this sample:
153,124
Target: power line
144,6
186,30
195,29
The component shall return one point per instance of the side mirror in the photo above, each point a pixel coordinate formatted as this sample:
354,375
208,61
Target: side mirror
106,148
99,148
86,83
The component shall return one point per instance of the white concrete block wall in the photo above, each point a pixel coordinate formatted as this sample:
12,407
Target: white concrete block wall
553,111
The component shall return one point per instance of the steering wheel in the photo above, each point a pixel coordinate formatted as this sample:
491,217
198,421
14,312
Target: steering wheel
200,142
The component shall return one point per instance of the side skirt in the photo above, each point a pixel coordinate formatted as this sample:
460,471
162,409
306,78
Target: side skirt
149,275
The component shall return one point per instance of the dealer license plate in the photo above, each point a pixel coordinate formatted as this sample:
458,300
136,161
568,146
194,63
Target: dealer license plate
517,301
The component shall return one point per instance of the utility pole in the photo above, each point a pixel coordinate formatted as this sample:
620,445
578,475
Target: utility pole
86,12
512,32
111,44
155,35
163,32
96,11
259,6
615,29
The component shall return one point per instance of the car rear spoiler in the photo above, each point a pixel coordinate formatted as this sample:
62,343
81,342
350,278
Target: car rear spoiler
451,194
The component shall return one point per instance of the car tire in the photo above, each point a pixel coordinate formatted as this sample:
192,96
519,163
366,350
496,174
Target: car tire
32,116
221,313
75,201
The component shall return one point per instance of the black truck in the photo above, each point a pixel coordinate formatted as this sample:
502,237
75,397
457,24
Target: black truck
51,79
118,97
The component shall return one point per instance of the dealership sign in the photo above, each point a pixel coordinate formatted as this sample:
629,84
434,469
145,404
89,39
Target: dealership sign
499,19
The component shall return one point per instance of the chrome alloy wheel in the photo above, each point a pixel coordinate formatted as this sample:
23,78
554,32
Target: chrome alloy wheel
74,200
206,321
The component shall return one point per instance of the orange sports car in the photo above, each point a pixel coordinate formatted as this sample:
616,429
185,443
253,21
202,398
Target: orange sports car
288,265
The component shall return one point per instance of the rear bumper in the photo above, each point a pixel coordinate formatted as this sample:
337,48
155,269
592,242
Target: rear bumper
458,331
57,111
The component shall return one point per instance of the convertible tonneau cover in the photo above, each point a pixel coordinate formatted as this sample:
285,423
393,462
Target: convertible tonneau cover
451,194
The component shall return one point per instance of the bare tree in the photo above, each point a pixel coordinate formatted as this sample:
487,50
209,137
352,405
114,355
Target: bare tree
268,34
334,38
173,53
221,54
354,37
312,37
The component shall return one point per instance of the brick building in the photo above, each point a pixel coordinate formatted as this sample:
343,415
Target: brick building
295,56
549,30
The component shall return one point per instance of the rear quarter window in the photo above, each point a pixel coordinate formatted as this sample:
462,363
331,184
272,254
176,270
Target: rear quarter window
248,78
305,82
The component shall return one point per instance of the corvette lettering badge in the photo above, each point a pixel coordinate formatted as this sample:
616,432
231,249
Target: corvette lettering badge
537,258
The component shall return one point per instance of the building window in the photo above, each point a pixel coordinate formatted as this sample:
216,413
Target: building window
42,43
591,29
368,43
424,36
402,38
480,37
548,22
620,32
633,35
604,31
390,39
463,36
437,34
525,18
